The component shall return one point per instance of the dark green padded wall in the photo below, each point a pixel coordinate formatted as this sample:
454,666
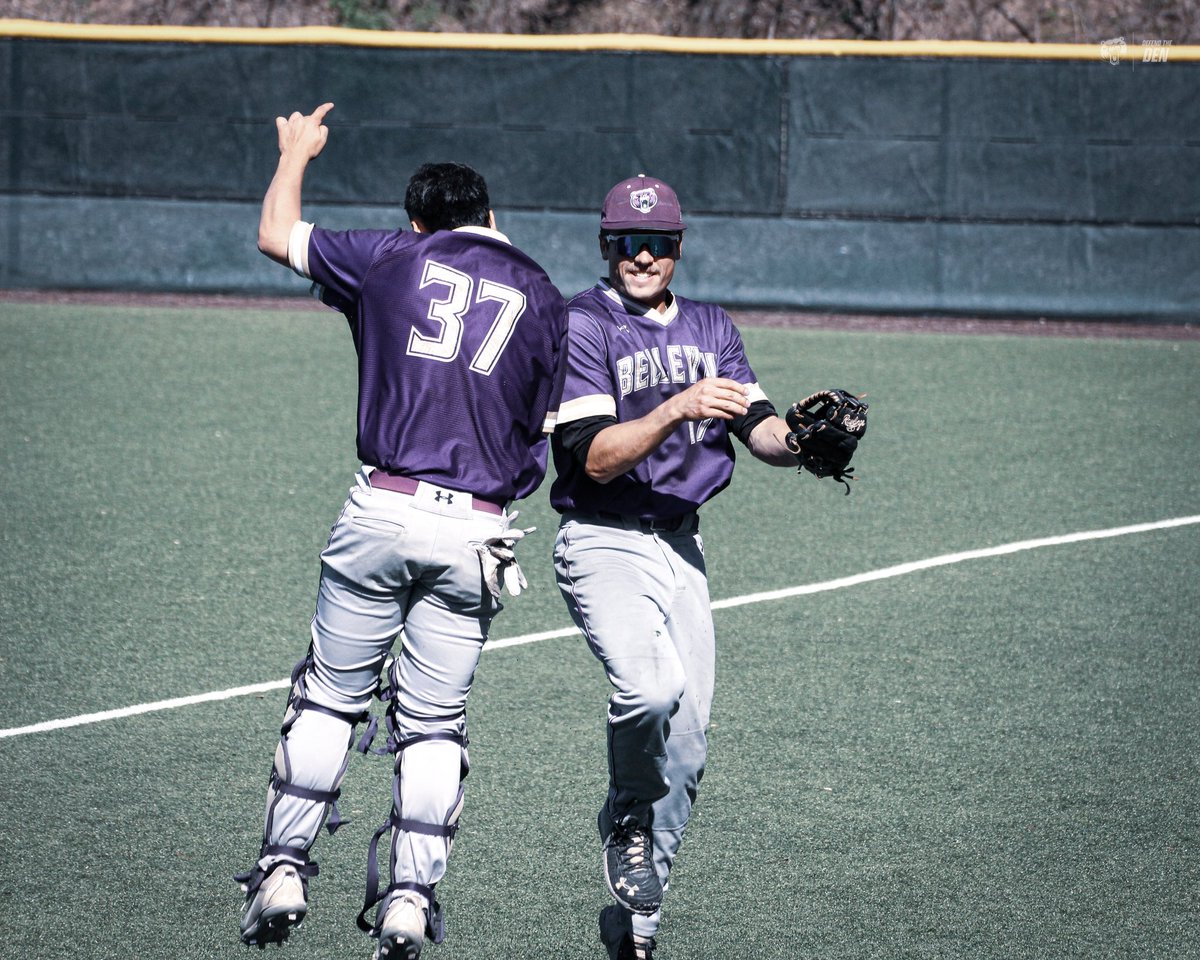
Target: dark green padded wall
984,186
985,140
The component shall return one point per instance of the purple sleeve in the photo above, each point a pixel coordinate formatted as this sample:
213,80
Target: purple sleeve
561,367
339,261
588,378
732,362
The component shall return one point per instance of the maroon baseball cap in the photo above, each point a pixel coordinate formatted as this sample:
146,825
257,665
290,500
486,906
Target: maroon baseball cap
641,203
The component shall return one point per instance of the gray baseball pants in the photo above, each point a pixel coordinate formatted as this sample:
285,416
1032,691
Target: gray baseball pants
641,599
394,563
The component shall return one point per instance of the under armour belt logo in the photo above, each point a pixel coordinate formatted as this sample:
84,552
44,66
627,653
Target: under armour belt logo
438,496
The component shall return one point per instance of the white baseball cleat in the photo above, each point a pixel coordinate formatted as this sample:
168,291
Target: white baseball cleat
402,930
275,907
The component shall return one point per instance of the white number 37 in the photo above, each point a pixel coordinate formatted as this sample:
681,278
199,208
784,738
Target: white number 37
448,312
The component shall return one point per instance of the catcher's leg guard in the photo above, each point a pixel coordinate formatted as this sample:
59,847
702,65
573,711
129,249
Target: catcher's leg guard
427,801
310,763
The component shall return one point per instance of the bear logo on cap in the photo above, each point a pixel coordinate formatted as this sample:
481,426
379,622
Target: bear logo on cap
641,203
643,200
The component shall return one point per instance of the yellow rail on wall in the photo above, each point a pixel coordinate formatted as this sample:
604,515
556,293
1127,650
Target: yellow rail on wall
1115,50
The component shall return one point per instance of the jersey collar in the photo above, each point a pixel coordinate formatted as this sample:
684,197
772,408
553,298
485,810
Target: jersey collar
638,309
484,232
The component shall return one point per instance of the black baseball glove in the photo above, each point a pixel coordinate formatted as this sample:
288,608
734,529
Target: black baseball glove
826,428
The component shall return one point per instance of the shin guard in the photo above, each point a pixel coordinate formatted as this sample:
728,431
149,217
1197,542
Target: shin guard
406,828
295,813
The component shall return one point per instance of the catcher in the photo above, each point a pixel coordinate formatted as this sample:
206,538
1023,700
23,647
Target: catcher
657,388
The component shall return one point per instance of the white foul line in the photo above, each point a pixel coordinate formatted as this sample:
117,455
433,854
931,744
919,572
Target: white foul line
901,569
884,573
133,711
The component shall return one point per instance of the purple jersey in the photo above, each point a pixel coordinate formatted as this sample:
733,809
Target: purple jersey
624,361
459,338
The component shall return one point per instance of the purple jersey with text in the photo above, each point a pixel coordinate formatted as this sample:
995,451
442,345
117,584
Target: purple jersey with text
624,361
460,338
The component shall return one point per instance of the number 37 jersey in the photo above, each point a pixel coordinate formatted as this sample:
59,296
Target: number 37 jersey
460,340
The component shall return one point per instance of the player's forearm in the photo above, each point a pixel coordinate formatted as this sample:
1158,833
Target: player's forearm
618,449
301,138
281,208
767,443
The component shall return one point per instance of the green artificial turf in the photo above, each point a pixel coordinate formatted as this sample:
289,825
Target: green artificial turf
995,758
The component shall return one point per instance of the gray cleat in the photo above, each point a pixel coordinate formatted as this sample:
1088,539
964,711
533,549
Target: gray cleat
402,930
274,908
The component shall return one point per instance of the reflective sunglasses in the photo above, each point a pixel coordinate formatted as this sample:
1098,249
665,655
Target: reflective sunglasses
629,245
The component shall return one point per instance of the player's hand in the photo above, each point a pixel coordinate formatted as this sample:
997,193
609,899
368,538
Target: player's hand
716,397
303,135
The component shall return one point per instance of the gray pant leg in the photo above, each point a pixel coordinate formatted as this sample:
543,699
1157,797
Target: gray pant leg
443,639
642,603
618,587
352,631
690,627
375,582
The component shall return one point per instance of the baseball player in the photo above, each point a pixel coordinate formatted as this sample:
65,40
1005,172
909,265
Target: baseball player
459,337
656,387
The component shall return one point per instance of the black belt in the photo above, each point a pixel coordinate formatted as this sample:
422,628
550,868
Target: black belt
688,521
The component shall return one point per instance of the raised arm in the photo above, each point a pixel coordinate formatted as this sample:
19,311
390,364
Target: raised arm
301,138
